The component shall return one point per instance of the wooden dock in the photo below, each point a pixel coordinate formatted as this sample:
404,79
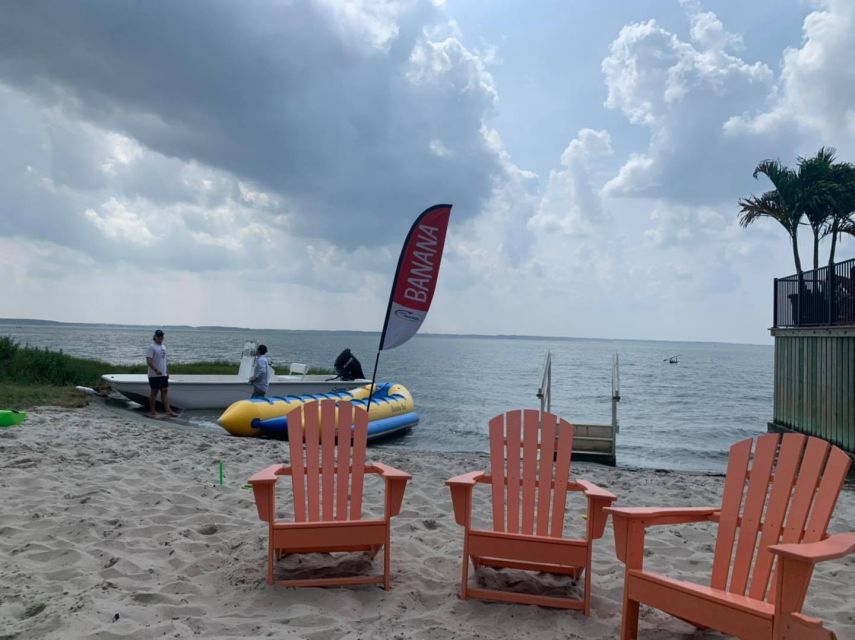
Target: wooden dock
595,443
591,442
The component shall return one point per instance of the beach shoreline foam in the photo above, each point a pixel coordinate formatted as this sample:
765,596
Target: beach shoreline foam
115,526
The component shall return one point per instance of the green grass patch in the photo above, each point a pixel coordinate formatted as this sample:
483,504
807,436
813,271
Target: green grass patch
18,396
30,376
25,365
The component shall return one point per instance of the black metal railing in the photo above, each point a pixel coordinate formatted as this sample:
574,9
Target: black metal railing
823,297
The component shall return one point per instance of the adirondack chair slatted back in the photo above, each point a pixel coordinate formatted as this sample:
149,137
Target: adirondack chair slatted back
327,444
530,472
787,496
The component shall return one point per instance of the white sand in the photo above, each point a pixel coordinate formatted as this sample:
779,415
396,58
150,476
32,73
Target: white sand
114,526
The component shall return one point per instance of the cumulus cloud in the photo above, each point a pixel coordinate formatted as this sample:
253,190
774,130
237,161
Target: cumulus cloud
676,225
684,93
278,152
370,23
350,111
707,30
815,97
571,204
117,221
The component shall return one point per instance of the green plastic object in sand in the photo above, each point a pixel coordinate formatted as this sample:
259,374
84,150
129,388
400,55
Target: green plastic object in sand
11,418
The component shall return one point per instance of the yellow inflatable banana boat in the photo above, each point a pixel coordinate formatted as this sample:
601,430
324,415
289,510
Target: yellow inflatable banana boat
391,410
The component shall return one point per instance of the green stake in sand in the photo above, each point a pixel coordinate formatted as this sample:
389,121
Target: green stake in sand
221,472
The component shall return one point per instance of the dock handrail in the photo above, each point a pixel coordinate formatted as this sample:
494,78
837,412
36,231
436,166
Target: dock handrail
544,393
593,442
615,390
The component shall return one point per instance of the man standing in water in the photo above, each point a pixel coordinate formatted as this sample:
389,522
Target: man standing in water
260,379
158,378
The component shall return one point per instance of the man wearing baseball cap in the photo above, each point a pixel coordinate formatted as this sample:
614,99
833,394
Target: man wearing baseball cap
158,378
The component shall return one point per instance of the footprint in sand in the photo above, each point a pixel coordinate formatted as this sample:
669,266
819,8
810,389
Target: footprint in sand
33,610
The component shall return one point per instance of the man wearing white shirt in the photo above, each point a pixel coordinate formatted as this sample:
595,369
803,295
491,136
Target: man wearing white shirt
158,377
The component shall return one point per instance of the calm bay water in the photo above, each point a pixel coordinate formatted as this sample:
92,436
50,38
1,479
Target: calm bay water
672,416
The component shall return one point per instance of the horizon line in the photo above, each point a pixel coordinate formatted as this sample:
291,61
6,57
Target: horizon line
37,321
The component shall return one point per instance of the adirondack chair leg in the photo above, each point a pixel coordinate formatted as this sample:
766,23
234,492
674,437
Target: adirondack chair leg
587,593
792,583
795,626
271,559
629,622
387,575
629,537
387,560
464,580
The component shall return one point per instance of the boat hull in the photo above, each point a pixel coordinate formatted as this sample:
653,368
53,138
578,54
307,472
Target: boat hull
218,392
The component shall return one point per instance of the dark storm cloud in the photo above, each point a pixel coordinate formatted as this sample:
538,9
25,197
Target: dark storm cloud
271,92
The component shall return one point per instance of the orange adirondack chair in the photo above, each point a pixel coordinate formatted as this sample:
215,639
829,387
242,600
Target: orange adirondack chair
327,470
782,515
529,502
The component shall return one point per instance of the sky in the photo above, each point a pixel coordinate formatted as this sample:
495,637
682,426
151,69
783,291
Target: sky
259,163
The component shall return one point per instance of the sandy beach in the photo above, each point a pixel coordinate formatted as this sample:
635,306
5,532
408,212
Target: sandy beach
116,526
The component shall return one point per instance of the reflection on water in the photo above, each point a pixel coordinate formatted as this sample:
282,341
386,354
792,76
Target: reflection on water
672,416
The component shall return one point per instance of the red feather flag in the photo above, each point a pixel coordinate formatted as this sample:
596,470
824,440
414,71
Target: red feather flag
415,277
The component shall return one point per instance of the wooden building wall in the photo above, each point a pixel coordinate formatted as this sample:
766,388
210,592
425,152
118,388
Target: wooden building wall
815,383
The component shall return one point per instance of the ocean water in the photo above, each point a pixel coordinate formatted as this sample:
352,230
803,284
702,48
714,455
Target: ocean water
672,416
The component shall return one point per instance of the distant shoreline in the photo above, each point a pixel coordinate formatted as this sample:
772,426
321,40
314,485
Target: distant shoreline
505,336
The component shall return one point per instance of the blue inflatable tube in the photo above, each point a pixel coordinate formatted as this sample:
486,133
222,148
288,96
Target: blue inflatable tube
278,427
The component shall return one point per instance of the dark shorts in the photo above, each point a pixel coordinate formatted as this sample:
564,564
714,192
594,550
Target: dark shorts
158,382
257,393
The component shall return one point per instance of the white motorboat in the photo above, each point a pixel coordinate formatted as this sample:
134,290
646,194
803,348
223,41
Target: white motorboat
196,391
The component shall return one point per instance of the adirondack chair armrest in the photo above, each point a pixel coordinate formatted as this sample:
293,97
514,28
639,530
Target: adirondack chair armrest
629,524
593,491
396,483
461,494
269,474
386,471
598,500
833,547
652,516
467,479
264,490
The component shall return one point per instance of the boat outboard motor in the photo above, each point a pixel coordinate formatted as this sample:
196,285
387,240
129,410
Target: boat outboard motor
347,367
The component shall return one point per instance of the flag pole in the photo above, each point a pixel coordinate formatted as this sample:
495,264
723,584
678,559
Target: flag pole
415,280
373,378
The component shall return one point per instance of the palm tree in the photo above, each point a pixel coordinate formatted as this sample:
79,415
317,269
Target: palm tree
782,204
842,205
816,192
821,190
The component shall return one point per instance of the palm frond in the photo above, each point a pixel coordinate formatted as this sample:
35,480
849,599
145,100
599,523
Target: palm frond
768,205
817,189
848,225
